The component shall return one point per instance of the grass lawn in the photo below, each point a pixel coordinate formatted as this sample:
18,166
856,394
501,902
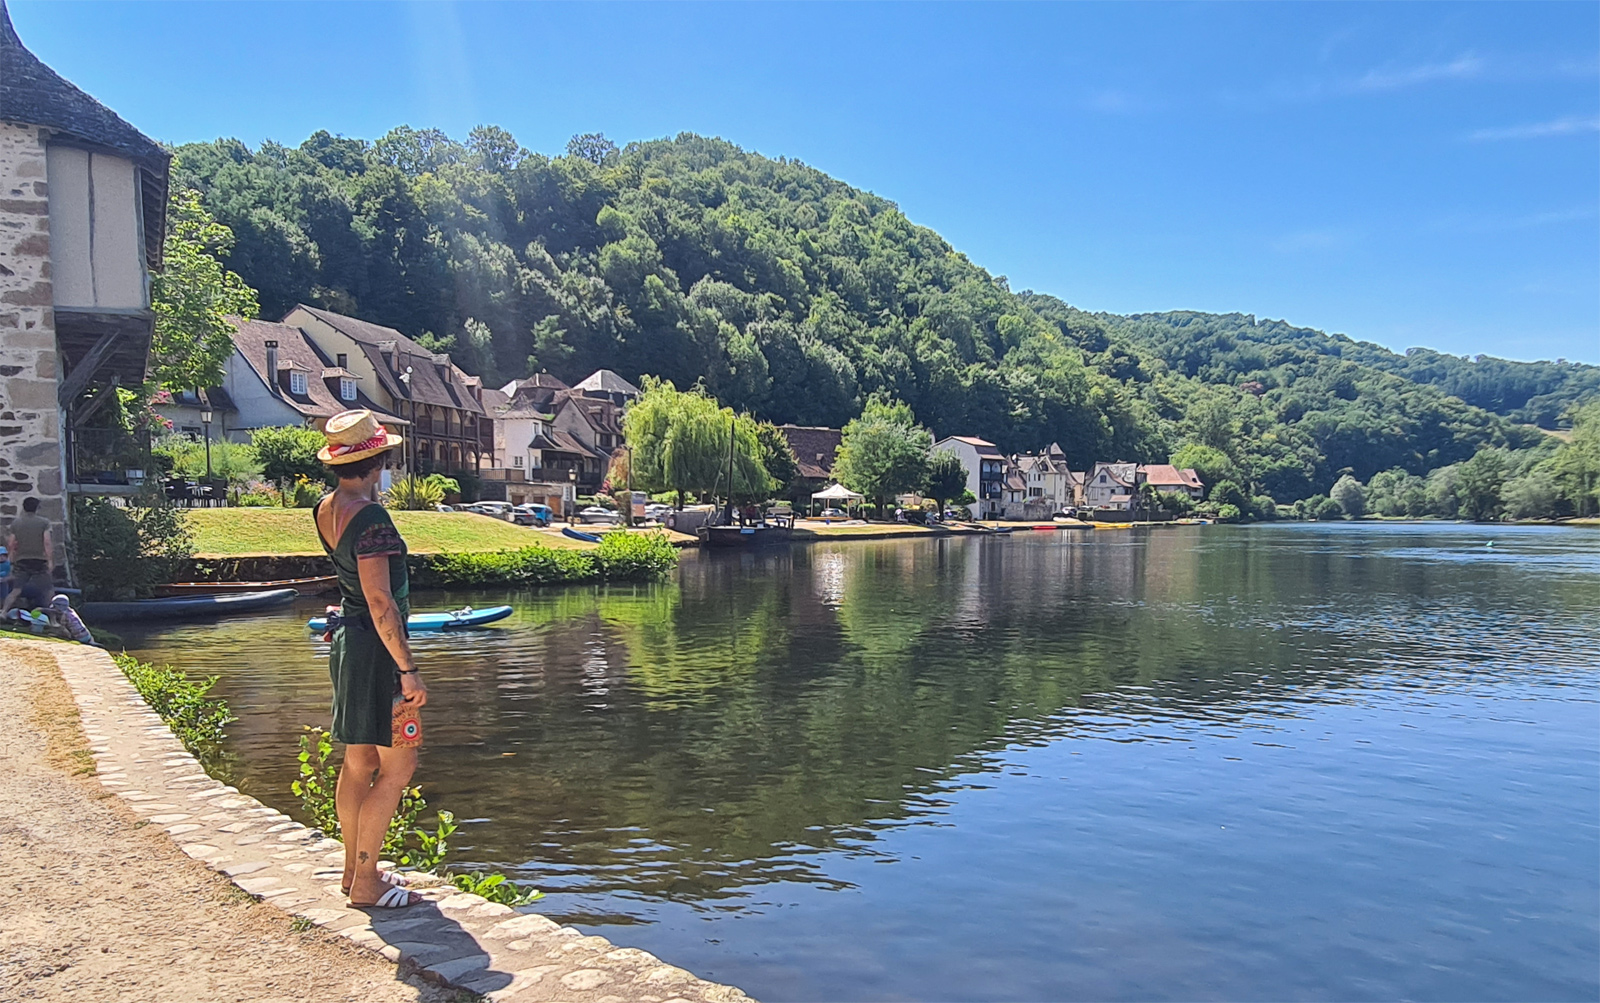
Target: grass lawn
290,532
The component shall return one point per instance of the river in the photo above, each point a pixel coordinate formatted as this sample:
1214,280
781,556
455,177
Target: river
1305,761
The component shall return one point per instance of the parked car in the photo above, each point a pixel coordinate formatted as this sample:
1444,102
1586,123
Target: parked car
493,509
833,513
656,511
596,514
532,514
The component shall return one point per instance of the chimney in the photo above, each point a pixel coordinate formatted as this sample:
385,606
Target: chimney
272,365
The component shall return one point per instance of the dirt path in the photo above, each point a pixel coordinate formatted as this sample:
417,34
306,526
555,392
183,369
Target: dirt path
97,905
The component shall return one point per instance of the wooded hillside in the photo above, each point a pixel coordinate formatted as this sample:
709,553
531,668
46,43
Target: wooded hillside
795,296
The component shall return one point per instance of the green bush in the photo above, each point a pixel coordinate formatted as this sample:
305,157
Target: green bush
620,557
496,888
635,557
256,499
121,553
234,462
288,451
1228,512
197,719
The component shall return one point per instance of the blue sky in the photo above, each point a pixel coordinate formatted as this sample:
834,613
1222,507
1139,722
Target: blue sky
1406,174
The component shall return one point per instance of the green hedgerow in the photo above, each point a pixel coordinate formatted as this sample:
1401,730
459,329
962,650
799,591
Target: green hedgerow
620,557
197,719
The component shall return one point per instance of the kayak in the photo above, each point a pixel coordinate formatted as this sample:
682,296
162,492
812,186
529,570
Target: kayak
188,607
455,620
576,535
305,586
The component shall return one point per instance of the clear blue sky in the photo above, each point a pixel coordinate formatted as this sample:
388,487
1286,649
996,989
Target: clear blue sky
1406,174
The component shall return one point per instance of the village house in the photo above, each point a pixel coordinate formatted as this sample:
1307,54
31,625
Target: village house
552,441
82,220
1116,485
987,476
440,403
276,376
1111,485
1050,484
815,447
1164,477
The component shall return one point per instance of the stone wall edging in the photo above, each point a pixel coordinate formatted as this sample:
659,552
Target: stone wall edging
456,939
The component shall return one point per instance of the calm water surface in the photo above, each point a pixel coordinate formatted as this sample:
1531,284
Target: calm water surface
1290,762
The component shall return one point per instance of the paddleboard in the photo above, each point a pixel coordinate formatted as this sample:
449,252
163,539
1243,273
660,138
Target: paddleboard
455,620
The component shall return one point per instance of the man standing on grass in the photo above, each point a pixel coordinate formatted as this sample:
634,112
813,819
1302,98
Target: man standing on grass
29,546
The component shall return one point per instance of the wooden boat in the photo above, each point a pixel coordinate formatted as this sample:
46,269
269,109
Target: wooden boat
304,586
580,535
742,536
189,607
455,620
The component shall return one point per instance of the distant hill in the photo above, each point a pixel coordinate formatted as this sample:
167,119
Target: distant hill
795,296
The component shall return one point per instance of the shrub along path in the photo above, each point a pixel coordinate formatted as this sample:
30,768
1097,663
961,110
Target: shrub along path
171,939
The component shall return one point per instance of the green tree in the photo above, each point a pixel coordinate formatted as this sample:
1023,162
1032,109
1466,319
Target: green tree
1212,464
1351,498
1534,495
288,451
680,443
947,477
1479,488
192,297
884,452
777,456
1576,465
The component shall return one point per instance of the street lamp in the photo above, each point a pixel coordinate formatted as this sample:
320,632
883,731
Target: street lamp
410,450
205,419
572,503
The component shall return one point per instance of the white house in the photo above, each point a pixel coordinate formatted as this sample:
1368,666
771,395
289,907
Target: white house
986,472
1111,485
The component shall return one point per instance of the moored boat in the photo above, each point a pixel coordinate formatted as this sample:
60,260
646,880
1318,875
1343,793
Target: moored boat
575,534
743,536
303,586
189,607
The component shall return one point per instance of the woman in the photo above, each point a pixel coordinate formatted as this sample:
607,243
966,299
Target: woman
375,679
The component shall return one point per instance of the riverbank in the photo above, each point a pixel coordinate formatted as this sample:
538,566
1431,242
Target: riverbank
99,904
108,906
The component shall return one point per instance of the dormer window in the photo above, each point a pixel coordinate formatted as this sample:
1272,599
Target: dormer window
297,383
347,388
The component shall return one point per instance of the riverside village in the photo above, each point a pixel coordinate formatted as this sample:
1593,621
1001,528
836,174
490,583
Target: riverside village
441,570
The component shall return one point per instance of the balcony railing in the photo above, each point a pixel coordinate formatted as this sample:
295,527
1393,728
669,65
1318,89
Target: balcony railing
108,457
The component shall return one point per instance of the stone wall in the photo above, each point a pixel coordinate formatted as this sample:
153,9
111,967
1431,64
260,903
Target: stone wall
30,419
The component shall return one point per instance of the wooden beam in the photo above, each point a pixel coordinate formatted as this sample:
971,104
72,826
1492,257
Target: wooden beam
77,381
99,401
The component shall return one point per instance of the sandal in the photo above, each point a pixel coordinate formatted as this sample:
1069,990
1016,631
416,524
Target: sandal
394,898
393,878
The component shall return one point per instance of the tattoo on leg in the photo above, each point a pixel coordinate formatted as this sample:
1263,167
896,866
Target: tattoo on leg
362,856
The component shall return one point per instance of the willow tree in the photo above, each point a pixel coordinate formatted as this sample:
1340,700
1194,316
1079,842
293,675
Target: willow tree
681,442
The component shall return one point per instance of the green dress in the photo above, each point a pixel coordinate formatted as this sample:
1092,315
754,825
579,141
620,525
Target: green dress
365,677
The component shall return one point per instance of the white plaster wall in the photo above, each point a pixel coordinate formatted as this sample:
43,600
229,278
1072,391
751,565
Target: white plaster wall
97,254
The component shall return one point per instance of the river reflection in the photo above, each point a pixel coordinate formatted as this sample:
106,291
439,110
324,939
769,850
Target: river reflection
1030,732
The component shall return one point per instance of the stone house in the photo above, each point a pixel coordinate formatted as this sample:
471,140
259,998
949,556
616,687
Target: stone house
82,220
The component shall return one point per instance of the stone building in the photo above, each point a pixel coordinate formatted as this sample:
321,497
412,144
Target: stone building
82,219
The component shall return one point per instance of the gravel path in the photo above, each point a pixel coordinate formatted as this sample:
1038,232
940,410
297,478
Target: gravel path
99,905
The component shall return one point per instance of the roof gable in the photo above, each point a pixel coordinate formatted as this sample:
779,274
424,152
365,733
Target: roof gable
31,93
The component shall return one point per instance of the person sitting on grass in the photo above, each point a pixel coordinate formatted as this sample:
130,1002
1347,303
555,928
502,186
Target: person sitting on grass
377,692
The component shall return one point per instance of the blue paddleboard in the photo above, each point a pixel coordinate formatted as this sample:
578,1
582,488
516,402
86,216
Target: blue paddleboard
456,620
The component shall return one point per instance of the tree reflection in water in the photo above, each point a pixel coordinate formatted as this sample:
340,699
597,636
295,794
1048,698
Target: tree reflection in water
686,741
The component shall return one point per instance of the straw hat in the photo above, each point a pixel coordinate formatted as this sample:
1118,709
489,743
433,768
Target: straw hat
355,435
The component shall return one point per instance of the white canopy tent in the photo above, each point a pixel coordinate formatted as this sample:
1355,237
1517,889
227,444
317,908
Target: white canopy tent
837,493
